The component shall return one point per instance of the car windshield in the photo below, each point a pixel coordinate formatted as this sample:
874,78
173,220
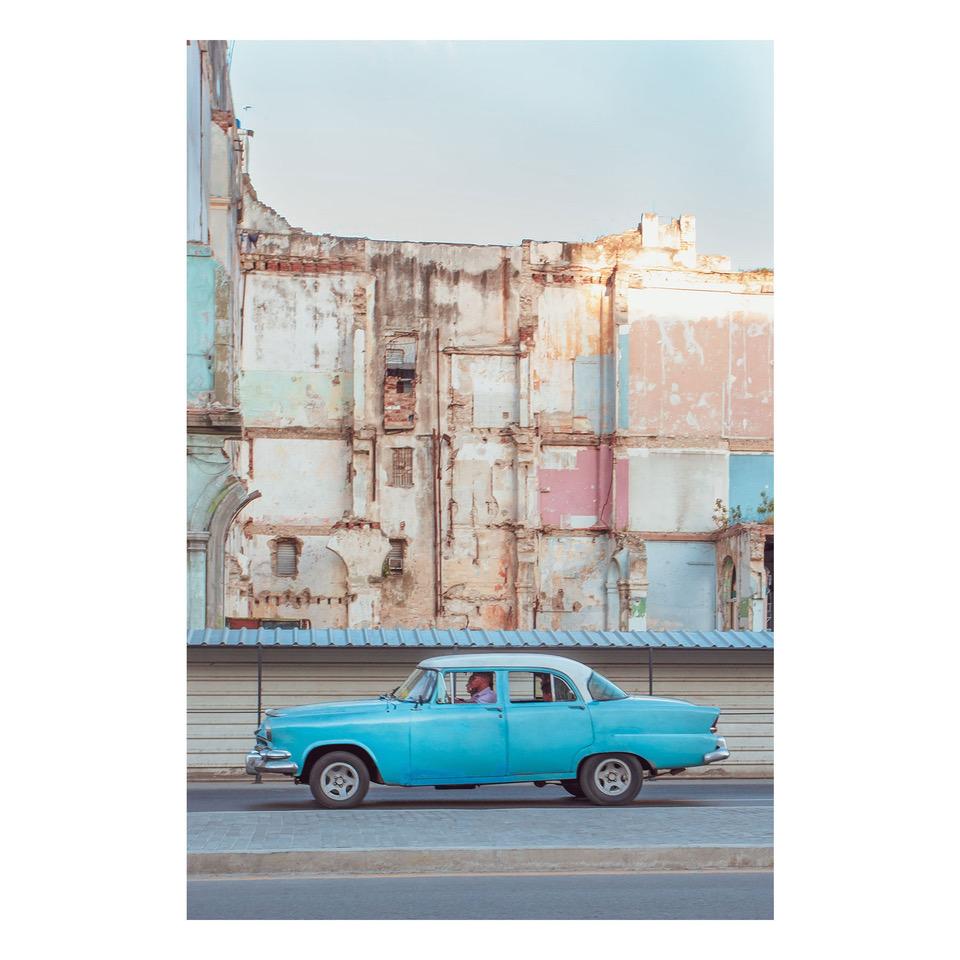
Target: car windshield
418,685
603,689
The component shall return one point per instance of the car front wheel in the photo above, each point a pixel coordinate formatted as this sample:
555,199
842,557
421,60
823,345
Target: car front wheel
339,780
611,779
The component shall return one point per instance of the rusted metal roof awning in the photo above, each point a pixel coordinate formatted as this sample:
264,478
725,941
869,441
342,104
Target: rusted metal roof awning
471,639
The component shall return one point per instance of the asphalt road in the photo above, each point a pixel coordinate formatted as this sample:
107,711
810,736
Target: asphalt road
737,895
250,796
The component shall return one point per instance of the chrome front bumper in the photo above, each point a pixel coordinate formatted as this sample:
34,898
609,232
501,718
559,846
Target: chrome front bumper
264,760
721,753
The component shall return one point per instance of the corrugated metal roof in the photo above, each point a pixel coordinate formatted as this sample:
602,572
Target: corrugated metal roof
444,639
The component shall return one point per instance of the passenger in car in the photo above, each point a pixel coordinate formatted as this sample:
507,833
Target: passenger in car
546,689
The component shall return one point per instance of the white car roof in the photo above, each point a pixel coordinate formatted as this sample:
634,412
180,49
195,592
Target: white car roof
578,672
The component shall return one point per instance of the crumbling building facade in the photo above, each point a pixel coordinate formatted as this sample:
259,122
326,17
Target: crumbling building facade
215,491
564,438
557,436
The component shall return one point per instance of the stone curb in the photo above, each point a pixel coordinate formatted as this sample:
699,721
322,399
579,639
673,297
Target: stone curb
450,860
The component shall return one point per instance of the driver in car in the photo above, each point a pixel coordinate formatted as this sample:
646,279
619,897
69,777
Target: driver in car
480,688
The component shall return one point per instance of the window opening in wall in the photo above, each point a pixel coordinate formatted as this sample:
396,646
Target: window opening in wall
402,472
394,562
286,558
399,382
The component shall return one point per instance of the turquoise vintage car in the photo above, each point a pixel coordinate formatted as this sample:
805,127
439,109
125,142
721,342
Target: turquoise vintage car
460,721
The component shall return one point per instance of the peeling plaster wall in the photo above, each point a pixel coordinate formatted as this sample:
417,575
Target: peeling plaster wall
564,400
213,278
297,351
700,363
576,487
573,574
303,481
283,598
573,383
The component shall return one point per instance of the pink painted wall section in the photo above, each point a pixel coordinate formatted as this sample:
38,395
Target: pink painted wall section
751,363
580,493
702,378
622,480
677,373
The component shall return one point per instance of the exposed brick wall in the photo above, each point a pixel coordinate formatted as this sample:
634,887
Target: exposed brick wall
399,409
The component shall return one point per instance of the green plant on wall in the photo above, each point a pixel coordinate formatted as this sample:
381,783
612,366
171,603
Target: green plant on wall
765,510
724,518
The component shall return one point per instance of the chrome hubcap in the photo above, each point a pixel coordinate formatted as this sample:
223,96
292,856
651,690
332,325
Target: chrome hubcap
612,777
339,781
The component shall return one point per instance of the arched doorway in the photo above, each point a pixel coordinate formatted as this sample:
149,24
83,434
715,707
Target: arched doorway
230,503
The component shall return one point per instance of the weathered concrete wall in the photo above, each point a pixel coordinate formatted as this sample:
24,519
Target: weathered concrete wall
682,585
297,361
560,402
574,574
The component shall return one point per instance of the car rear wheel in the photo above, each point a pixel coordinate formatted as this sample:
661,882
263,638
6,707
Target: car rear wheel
339,780
611,779
572,787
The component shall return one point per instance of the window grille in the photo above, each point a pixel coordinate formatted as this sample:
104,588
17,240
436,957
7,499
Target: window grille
286,559
402,473
395,558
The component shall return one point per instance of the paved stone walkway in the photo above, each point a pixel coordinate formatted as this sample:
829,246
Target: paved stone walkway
372,829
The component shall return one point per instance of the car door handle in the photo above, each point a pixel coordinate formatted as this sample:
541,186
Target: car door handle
576,706
496,709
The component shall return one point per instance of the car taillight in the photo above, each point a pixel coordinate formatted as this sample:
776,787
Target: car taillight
716,720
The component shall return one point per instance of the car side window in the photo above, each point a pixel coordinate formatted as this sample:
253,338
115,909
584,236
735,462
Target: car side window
530,687
475,686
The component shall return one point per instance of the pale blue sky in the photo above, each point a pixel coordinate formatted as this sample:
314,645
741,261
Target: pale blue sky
500,142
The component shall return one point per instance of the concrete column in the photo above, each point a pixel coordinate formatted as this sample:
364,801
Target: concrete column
758,581
635,608
363,604
196,577
527,580
362,480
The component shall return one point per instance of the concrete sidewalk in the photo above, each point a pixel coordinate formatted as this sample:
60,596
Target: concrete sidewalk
366,840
